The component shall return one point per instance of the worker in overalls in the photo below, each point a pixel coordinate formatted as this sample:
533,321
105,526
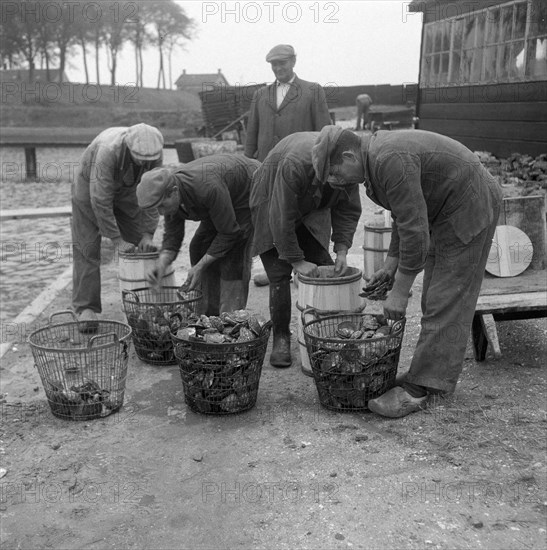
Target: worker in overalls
104,204
445,207
215,191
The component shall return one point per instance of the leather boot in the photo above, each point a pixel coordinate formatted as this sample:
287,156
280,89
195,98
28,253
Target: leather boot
280,313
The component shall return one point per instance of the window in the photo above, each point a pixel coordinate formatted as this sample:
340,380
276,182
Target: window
503,43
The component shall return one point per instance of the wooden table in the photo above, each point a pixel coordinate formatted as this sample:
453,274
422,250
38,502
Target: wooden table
506,299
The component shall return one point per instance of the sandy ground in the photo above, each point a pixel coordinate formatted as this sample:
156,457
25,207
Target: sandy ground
468,473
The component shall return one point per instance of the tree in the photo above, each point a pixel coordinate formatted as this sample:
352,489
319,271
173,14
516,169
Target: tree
171,25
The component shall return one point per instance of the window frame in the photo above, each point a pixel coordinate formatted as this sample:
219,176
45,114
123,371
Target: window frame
481,48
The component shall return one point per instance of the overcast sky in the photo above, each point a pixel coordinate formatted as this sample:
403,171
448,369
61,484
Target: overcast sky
346,43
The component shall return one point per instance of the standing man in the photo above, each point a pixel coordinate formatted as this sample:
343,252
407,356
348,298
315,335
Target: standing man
214,190
288,189
104,204
445,206
286,106
363,103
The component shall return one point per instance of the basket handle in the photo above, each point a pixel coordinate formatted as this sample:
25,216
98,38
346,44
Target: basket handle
317,313
93,339
267,326
309,310
130,293
63,312
397,326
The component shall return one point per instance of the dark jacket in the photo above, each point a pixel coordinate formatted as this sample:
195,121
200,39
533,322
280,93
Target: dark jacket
433,185
214,189
304,109
285,193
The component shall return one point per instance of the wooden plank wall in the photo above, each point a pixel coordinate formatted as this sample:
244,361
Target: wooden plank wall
500,118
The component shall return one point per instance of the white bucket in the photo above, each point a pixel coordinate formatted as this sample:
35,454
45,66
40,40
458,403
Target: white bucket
133,266
327,296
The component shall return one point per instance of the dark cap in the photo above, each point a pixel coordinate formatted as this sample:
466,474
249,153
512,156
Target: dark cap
280,52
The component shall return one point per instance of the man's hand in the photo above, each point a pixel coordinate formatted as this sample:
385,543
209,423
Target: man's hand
146,244
123,246
341,263
305,268
379,277
156,274
193,280
395,305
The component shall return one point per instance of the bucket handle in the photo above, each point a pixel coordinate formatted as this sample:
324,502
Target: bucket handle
63,312
93,339
126,292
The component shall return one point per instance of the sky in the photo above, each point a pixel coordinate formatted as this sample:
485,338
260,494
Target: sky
344,43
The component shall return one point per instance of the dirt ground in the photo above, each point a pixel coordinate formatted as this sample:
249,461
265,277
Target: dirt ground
469,472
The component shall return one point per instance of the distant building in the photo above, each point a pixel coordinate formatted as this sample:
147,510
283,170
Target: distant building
40,75
483,73
195,83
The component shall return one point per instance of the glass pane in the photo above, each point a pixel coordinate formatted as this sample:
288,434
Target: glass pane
435,69
428,39
490,63
492,25
536,62
469,33
506,23
517,59
426,66
446,36
466,65
481,21
504,57
520,20
437,38
538,18
476,66
443,77
458,32
455,75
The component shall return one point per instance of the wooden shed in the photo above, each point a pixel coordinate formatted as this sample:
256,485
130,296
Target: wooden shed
483,73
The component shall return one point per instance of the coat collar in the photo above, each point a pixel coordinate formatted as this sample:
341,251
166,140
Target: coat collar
294,92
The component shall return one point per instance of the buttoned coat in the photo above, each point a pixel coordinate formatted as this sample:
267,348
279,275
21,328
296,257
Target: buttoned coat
304,109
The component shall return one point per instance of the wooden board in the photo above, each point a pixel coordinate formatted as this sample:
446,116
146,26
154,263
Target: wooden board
511,252
26,213
524,301
511,111
529,281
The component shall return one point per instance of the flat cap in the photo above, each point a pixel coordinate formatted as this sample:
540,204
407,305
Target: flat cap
279,52
152,187
145,142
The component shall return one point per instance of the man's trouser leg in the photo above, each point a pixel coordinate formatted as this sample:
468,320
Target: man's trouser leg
210,282
452,281
279,273
235,274
86,257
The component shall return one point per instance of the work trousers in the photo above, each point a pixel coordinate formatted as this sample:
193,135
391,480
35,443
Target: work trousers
225,283
453,276
86,250
279,270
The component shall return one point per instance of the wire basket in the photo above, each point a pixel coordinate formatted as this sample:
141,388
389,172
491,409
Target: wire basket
350,370
153,314
221,378
83,375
